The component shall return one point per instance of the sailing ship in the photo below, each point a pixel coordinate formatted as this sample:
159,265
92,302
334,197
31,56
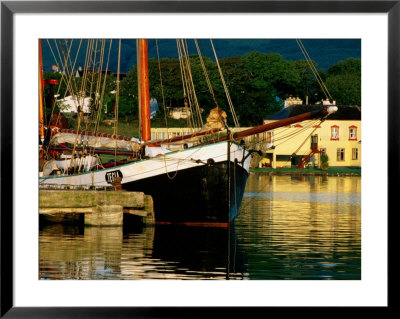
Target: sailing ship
202,183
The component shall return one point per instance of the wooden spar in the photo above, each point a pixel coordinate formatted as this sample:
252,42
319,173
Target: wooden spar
253,130
41,108
144,91
280,123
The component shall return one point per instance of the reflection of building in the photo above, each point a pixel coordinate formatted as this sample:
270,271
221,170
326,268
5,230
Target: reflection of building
339,136
305,216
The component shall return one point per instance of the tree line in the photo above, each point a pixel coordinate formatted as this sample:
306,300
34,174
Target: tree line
258,84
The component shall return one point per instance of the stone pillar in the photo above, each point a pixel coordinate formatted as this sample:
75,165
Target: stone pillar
105,215
149,208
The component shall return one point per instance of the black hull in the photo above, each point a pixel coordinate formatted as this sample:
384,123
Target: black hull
195,195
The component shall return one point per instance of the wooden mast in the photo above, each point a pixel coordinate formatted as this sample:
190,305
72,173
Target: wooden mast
144,91
41,108
138,88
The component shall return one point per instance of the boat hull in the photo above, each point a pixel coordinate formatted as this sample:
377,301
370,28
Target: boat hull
188,186
203,194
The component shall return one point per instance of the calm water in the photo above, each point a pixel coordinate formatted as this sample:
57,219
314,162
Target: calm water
289,228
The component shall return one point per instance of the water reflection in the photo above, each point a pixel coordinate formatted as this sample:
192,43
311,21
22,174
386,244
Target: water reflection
302,228
288,228
160,252
202,252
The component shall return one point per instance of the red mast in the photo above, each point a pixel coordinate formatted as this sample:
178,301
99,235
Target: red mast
144,90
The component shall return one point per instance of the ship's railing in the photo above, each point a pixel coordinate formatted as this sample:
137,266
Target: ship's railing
75,187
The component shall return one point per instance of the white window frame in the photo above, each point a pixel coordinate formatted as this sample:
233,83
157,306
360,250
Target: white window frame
354,151
340,150
353,133
334,133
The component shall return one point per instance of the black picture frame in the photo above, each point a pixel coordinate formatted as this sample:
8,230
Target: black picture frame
9,8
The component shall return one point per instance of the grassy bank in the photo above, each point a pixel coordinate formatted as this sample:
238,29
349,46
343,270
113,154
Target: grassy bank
331,171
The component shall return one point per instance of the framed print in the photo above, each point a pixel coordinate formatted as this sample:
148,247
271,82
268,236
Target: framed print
312,232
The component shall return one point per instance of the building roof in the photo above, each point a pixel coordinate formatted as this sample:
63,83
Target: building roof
344,112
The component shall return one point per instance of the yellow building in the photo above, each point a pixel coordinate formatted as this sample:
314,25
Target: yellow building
338,136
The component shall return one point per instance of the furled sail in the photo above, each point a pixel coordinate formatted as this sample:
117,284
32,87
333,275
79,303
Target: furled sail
131,144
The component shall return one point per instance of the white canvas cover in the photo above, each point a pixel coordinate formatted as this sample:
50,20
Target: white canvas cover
95,141
155,151
85,164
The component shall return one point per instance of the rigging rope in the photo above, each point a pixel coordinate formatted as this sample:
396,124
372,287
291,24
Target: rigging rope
93,63
197,107
183,76
285,138
117,101
96,104
188,82
301,145
64,74
313,69
235,119
162,88
103,90
205,73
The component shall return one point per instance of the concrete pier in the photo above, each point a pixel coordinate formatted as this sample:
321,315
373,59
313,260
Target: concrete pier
100,208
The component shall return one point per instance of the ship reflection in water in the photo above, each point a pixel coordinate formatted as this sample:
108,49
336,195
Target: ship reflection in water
288,228
160,252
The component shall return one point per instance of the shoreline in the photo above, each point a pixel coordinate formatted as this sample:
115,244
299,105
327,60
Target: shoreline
306,172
